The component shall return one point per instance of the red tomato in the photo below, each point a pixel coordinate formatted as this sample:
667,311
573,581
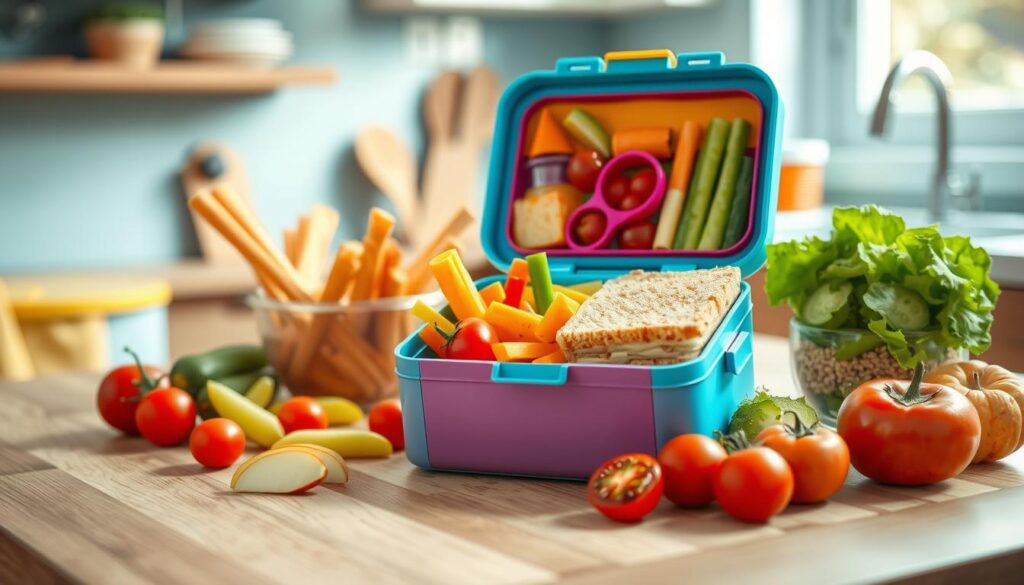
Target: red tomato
753,484
217,443
386,418
642,183
626,488
638,236
817,457
583,168
909,434
302,412
689,463
615,190
166,416
590,227
472,340
632,201
119,395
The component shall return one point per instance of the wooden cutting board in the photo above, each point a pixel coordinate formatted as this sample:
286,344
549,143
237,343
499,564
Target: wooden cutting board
77,500
210,164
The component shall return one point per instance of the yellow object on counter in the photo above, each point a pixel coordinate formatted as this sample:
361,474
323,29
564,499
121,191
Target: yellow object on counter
561,310
512,324
457,286
15,361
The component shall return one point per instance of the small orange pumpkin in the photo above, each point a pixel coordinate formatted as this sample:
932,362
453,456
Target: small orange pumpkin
998,396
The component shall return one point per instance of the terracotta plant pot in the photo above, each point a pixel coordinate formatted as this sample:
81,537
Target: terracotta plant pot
135,42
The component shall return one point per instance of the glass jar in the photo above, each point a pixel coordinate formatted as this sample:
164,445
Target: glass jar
828,364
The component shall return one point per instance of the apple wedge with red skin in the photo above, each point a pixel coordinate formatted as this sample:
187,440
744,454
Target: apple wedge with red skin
285,471
337,469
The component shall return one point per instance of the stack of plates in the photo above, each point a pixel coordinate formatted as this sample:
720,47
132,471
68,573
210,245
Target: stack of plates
249,41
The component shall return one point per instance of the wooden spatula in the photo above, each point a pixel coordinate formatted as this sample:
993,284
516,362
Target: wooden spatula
209,164
390,165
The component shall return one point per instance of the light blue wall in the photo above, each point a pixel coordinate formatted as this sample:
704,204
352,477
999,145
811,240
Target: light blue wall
91,181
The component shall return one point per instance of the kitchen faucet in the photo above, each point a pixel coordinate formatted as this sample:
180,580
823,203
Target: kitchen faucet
945,181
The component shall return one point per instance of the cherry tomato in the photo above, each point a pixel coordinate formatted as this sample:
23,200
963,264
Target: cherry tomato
626,488
386,418
472,340
689,463
818,458
632,201
590,227
120,393
642,183
302,412
909,434
638,236
583,169
753,484
166,416
217,443
615,190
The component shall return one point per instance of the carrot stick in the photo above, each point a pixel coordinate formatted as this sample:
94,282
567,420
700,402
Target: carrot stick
390,258
679,178
346,264
493,293
207,207
457,286
388,334
654,141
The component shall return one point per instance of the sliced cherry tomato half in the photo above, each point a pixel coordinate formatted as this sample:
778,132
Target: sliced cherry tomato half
626,488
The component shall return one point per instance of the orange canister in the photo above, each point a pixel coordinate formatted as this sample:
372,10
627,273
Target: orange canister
802,181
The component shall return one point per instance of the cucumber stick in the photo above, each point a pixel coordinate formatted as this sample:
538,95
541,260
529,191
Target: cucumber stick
703,184
739,213
191,372
718,214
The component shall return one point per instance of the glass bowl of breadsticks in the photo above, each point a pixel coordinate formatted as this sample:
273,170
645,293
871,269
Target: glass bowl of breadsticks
330,319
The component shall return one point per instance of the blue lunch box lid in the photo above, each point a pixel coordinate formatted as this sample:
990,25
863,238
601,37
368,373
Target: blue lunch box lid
621,74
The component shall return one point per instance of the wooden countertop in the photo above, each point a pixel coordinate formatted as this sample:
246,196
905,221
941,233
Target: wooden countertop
78,503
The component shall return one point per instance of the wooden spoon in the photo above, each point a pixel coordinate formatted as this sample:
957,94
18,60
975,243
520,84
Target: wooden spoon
390,165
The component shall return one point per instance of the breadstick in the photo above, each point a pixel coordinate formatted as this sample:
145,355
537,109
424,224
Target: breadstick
388,333
346,264
245,218
208,208
291,241
390,258
419,271
321,225
378,230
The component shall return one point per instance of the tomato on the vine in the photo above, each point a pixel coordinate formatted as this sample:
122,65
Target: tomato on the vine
166,416
909,434
689,463
385,418
302,412
818,458
472,340
626,488
121,390
217,443
753,483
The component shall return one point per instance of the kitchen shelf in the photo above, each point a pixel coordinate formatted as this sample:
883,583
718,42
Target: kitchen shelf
169,77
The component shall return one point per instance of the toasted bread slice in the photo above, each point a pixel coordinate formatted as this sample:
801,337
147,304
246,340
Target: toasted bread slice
650,317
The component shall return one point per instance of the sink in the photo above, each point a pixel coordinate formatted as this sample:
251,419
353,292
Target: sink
1001,234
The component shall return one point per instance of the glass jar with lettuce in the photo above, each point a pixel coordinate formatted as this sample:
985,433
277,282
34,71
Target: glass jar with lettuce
875,299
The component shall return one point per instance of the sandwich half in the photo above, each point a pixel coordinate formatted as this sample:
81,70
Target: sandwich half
648,318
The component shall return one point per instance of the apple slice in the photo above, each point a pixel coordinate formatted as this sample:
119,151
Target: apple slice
349,443
259,425
287,471
337,469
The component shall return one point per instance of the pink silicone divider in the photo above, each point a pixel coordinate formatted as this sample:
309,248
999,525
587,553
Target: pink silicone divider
616,219
517,189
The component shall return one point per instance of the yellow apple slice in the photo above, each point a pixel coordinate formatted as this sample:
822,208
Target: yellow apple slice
340,411
260,426
349,443
337,469
288,471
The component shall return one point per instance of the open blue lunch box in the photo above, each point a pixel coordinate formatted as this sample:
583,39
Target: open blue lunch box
563,420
